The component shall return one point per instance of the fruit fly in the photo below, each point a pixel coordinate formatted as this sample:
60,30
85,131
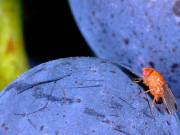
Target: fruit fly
159,89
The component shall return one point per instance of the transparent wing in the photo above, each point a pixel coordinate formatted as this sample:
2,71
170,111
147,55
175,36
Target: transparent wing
168,99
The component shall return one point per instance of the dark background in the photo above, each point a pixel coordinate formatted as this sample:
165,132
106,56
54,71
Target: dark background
50,32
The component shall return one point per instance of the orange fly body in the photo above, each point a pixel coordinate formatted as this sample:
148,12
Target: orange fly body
159,89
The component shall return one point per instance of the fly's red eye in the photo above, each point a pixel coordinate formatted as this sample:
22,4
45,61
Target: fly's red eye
147,71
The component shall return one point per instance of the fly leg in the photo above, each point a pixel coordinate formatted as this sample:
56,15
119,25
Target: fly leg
152,105
145,92
154,99
137,79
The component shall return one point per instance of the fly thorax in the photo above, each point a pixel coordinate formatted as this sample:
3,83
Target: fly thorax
158,90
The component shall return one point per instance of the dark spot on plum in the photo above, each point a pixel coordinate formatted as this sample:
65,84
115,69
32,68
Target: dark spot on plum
158,28
160,38
176,8
41,128
113,71
175,65
64,116
104,31
3,125
93,131
134,32
161,59
24,114
103,91
126,41
168,123
174,49
112,15
93,70
78,100
113,34
129,60
92,112
6,128
93,13
76,81
151,64
133,126
172,70
106,121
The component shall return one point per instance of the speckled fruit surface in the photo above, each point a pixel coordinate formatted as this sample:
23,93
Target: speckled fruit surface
80,96
138,33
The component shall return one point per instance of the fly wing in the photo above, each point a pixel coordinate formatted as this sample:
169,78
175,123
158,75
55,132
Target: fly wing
168,99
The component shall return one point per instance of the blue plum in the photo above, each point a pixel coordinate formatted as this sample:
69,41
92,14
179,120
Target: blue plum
138,33
80,96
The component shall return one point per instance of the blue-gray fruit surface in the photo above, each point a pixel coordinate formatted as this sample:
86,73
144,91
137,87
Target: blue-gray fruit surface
138,33
80,96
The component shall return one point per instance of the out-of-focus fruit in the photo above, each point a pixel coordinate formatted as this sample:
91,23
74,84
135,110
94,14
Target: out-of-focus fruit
13,60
